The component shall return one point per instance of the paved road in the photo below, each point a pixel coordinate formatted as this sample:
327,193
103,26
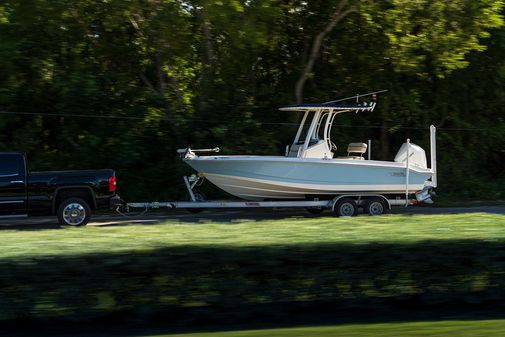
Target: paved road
223,216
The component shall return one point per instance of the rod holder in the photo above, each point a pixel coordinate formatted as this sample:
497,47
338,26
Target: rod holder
407,173
433,155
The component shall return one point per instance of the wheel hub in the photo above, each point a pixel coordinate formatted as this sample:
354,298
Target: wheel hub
347,210
74,214
376,208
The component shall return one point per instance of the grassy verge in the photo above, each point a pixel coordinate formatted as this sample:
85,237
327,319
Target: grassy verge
18,244
246,272
483,328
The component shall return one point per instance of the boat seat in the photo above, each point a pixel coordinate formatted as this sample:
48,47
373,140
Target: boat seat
355,151
356,148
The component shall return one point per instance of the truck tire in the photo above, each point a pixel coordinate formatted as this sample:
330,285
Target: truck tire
74,212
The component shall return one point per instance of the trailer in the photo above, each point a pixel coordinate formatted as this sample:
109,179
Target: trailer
341,205
346,204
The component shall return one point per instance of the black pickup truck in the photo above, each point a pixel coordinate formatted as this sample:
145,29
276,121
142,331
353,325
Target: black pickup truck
71,195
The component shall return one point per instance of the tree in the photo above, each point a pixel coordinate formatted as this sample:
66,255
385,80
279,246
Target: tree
433,37
341,11
122,84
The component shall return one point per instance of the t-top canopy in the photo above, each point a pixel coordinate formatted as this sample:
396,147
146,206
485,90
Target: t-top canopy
335,107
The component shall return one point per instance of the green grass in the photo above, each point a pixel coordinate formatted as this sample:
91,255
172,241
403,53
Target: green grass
242,233
484,328
270,271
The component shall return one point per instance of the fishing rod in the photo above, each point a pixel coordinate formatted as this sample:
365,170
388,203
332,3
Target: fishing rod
356,97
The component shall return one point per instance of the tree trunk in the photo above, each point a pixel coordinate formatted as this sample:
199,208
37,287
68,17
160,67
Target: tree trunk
337,16
170,116
208,57
209,51
174,81
384,139
160,89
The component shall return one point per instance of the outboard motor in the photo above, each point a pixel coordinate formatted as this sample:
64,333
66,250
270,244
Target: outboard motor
426,195
417,156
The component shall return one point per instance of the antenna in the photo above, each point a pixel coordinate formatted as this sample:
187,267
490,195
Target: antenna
373,94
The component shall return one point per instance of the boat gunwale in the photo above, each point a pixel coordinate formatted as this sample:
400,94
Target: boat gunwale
352,162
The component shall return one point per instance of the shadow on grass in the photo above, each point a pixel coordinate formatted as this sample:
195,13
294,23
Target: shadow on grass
222,216
29,225
200,288
155,218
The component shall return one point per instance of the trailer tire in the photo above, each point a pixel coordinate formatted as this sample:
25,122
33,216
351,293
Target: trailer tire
345,207
375,206
74,212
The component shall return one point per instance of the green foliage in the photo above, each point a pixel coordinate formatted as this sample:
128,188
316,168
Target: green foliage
212,73
433,37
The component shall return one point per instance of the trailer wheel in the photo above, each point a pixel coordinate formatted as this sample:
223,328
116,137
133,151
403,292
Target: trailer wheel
74,212
375,206
199,197
345,207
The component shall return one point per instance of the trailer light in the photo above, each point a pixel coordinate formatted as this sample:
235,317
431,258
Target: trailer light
112,184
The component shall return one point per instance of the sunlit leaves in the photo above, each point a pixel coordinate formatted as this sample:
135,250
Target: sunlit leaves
434,36
4,18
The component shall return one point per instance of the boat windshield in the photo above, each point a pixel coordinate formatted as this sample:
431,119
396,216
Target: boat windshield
304,128
321,125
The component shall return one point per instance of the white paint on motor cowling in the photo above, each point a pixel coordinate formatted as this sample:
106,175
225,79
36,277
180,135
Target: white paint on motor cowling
417,156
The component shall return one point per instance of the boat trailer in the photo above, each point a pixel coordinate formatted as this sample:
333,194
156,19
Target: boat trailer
340,205
345,204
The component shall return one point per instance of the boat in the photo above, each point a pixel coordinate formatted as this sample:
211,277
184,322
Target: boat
310,167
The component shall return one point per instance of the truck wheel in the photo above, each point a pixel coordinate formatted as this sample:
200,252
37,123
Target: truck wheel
345,207
74,212
375,206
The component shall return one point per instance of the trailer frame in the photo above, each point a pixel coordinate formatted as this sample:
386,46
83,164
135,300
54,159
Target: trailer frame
194,204
356,200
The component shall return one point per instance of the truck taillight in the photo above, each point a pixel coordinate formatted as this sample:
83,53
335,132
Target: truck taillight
112,184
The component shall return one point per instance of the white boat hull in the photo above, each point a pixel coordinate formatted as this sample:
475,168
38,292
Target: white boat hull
269,177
